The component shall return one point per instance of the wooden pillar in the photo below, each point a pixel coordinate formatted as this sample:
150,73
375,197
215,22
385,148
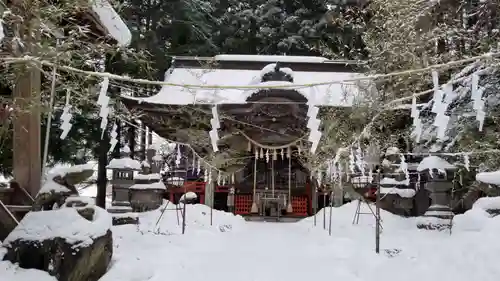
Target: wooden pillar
131,138
150,137
27,166
143,141
27,161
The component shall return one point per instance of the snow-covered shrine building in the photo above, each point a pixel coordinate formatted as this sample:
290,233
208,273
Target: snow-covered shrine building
263,134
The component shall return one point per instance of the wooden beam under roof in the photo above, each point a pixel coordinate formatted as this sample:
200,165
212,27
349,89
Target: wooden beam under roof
211,62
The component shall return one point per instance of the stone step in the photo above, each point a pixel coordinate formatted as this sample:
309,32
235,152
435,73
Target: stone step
120,203
119,209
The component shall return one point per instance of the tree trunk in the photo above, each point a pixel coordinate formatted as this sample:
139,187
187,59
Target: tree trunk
102,180
131,139
143,141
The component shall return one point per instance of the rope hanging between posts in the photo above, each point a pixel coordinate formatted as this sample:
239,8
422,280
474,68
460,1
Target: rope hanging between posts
269,147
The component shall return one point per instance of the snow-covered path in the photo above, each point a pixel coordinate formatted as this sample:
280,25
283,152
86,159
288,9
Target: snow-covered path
260,251
232,249
256,251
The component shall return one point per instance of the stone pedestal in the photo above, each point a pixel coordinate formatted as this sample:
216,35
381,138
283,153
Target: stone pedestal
146,199
439,214
439,189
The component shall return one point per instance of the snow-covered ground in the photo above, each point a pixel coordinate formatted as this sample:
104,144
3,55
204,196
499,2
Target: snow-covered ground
233,249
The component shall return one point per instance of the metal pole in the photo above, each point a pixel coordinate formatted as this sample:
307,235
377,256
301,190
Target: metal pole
315,200
324,210
377,218
184,215
272,176
49,124
211,185
185,199
289,181
331,209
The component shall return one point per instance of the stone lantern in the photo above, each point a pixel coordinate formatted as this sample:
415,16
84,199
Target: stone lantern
123,177
439,185
156,160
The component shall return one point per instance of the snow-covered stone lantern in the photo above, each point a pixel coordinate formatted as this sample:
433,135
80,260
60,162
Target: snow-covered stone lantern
123,177
156,160
439,184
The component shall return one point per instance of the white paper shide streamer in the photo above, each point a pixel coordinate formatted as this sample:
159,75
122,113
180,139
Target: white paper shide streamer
478,101
440,106
66,118
103,101
113,137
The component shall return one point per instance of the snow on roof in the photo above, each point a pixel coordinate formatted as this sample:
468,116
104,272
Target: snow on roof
434,162
156,185
327,95
63,170
154,176
270,58
489,177
110,20
64,223
125,163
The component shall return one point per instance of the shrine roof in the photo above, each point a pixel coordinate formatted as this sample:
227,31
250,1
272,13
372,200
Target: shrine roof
113,24
227,71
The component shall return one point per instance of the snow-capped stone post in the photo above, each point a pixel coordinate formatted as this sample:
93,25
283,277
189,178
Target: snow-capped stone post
439,184
492,204
123,177
397,195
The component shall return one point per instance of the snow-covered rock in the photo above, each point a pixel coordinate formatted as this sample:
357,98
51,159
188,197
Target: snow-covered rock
188,196
489,177
69,243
